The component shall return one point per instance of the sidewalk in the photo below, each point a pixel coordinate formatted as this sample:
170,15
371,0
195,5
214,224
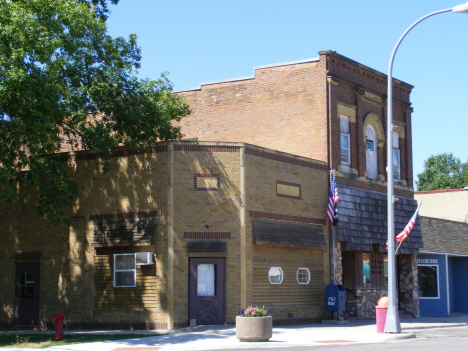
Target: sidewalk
224,337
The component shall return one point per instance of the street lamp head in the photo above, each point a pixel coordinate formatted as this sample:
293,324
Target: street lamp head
461,8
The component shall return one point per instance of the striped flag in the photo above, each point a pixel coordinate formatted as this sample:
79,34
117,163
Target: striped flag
405,232
332,211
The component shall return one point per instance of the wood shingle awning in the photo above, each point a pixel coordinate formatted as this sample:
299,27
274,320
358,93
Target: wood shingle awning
363,221
137,231
277,233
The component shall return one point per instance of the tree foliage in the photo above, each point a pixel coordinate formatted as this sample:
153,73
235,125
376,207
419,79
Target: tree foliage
63,79
443,171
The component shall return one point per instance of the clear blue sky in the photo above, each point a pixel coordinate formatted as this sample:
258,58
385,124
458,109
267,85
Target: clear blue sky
204,40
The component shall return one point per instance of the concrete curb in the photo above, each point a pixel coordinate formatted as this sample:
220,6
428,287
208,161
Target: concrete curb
434,326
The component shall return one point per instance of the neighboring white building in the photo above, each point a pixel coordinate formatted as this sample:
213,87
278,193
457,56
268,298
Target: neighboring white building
450,204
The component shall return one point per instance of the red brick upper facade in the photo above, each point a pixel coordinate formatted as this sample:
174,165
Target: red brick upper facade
296,108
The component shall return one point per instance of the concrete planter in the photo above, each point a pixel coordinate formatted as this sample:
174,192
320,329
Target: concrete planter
254,328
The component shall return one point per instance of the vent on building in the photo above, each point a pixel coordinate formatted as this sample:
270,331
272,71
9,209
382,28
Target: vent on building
144,258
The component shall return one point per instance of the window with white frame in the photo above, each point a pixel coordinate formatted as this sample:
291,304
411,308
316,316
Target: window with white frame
396,157
428,281
124,270
303,275
345,141
275,275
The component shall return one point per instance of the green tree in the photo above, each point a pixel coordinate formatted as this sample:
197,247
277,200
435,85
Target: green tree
443,171
63,79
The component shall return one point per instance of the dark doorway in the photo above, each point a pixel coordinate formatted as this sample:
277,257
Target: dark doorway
27,294
207,289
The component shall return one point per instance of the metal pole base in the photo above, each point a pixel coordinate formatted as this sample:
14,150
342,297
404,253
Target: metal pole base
392,322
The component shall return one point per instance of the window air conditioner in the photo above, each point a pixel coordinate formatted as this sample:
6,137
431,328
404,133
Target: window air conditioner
144,258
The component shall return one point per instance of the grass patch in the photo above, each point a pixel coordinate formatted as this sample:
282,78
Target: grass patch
40,341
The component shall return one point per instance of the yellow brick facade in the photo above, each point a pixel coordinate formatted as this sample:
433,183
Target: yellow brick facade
76,275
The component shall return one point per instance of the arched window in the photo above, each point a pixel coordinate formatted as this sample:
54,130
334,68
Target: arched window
371,153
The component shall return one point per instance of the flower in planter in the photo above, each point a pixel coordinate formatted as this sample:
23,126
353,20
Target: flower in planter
254,312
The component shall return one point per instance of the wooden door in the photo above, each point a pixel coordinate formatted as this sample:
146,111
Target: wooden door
26,310
207,290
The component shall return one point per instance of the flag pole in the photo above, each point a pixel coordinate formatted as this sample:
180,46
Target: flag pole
398,248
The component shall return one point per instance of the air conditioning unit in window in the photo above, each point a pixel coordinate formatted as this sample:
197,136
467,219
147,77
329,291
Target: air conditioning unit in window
144,258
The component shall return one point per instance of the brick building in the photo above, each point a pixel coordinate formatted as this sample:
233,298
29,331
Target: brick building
186,231
331,109
443,261
232,216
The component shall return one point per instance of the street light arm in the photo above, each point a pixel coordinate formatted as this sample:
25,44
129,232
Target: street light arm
407,31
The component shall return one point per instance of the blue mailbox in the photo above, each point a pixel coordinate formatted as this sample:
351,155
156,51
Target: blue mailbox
335,298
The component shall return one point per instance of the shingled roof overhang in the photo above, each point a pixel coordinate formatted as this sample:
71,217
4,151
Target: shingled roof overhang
363,221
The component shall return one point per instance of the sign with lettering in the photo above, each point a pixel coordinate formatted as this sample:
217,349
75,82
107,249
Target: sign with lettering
331,301
427,260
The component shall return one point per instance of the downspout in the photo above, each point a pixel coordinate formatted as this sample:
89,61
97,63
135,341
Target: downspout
170,237
243,239
331,232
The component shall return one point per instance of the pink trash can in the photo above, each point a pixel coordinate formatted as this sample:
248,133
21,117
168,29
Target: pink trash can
381,314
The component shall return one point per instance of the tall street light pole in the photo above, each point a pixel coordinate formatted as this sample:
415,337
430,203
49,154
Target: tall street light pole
392,323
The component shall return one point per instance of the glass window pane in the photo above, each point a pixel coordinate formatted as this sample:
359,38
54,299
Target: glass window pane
125,261
345,157
427,279
396,140
344,124
275,275
124,279
27,292
370,145
344,141
206,279
385,269
366,268
303,276
396,157
30,277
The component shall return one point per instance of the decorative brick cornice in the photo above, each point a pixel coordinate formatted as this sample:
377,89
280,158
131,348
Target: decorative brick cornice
286,218
362,70
207,148
207,235
126,215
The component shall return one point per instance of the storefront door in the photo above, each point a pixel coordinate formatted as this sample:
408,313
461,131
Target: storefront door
207,289
26,310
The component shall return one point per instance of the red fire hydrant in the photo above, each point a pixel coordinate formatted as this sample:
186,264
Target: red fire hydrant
58,319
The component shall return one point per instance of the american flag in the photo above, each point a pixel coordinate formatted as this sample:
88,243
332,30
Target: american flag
332,200
405,232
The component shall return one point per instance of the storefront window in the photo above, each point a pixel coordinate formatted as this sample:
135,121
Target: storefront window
385,269
428,282
366,268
